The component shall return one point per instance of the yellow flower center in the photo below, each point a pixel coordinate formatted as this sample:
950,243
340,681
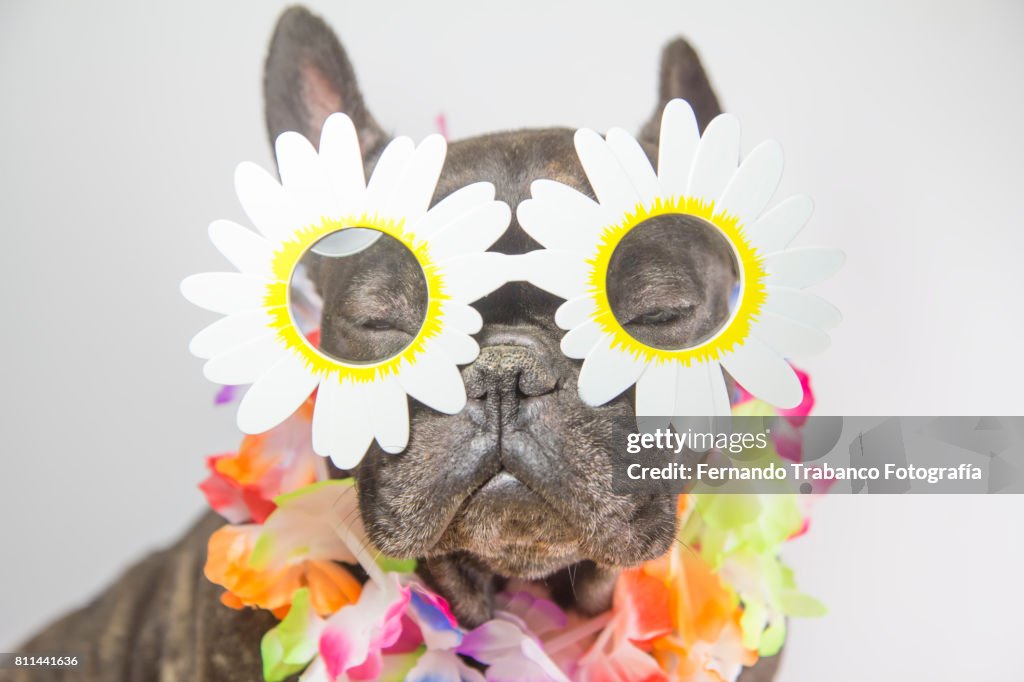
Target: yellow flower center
752,287
277,300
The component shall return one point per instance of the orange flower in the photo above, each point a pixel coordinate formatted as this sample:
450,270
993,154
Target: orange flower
639,614
706,642
242,486
259,454
642,605
229,563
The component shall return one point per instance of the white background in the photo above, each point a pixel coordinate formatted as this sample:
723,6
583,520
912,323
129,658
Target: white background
120,126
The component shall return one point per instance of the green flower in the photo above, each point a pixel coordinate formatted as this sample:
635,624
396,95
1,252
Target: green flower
741,536
292,644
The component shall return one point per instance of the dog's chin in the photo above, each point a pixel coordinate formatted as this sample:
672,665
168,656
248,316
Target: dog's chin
524,502
512,530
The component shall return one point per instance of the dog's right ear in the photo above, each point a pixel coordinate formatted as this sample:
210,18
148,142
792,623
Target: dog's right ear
308,77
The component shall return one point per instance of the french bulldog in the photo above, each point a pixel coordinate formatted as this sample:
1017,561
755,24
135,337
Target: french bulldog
518,484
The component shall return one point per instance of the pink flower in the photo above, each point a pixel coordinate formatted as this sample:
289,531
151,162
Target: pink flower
795,415
786,436
511,653
615,659
442,666
533,614
640,614
354,638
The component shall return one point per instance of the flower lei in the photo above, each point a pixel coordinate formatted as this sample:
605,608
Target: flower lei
715,603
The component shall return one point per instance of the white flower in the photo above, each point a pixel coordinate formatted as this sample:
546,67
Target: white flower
773,319
259,343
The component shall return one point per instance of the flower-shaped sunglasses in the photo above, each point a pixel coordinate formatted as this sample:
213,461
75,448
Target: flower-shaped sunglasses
324,212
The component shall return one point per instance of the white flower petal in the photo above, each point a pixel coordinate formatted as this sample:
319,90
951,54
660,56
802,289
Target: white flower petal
607,372
721,403
387,173
276,395
634,162
451,208
559,217
764,374
389,414
562,273
656,390
460,348
296,158
341,159
435,381
693,390
416,187
246,363
676,147
789,338
574,312
776,229
578,342
324,410
607,178
472,232
802,306
230,332
701,390
695,423
347,421
468,278
802,267
304,179
701,394
462,317
716,158
754,183
266,203
225,292
246,250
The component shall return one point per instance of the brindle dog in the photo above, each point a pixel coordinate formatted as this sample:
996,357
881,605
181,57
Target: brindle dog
517,485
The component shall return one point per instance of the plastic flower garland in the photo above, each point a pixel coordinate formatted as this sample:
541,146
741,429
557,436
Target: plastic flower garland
711,606
259,342
774,318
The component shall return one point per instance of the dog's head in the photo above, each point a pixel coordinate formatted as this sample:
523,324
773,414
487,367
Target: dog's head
519,483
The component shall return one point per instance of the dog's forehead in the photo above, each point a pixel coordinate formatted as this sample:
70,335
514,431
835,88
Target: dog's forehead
511,161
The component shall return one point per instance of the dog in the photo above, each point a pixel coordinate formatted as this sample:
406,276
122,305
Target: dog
518,484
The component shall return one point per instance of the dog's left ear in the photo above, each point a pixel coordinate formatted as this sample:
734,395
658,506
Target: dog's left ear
308,77
682,76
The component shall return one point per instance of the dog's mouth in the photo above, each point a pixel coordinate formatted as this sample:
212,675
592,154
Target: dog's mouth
503,483
510,526
509,500
526,498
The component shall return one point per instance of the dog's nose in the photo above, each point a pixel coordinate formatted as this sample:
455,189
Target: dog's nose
505,374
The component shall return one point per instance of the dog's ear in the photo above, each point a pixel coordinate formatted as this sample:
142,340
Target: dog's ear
308,77
682,76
